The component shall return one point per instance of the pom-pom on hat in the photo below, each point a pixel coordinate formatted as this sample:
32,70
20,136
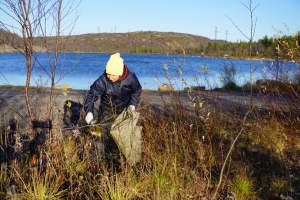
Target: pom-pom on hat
115,65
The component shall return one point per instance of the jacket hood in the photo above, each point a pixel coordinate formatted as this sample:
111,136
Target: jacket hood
125,73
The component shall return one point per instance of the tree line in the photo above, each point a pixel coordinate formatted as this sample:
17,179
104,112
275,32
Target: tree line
265,47
152,42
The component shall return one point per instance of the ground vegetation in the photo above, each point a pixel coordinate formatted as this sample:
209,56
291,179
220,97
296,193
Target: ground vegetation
195,143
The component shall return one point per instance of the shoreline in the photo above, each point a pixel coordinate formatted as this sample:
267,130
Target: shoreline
8,51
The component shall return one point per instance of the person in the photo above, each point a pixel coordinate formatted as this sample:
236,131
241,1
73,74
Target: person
118,89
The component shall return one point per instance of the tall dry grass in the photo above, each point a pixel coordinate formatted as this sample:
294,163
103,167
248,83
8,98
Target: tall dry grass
195,145
184,149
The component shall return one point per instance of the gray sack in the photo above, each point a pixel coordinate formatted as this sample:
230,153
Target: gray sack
127,136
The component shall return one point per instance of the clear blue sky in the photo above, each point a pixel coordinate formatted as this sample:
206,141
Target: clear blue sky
208,18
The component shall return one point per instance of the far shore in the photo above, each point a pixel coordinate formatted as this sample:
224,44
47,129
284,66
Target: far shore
11,50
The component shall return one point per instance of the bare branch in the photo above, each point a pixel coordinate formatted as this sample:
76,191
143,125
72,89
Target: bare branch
16,111
5,79
238,28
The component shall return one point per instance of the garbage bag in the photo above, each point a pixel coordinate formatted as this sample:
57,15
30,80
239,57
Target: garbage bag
127,135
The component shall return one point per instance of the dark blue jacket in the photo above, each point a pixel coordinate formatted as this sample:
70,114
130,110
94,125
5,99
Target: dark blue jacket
118,95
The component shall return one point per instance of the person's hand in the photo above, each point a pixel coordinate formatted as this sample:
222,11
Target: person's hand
89,117
131,108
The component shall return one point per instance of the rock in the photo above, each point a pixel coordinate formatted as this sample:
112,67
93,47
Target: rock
199,88
165,88
63,87
286,197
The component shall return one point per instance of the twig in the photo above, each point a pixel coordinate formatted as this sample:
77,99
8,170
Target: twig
5,79
17,112
228,154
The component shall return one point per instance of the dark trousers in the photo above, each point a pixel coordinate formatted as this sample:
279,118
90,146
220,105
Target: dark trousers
104,147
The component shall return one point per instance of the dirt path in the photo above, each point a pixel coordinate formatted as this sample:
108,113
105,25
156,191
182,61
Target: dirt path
220,101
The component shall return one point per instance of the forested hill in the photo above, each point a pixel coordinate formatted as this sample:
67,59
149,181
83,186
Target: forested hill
149,42
131,42
137,42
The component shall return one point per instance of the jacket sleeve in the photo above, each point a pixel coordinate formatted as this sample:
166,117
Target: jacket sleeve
95,92
136,92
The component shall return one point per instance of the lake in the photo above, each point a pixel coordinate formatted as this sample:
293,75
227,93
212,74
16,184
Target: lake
81,70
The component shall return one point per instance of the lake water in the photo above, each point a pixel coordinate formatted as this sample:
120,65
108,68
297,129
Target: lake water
81,70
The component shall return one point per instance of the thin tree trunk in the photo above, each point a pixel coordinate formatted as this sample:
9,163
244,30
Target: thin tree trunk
28,76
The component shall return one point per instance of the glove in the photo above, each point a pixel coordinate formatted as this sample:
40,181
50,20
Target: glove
89,117
131,108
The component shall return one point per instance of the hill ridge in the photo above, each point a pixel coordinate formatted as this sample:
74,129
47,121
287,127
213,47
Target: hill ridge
131,42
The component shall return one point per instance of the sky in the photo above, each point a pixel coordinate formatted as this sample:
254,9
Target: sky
215,19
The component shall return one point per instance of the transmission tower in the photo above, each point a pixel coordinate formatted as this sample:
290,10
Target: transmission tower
216,31
226,36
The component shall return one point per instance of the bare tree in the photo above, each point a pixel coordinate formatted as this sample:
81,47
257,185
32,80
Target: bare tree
252,32
32,20
251,95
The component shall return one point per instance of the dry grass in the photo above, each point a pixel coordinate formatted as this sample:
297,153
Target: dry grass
184,149
195,144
